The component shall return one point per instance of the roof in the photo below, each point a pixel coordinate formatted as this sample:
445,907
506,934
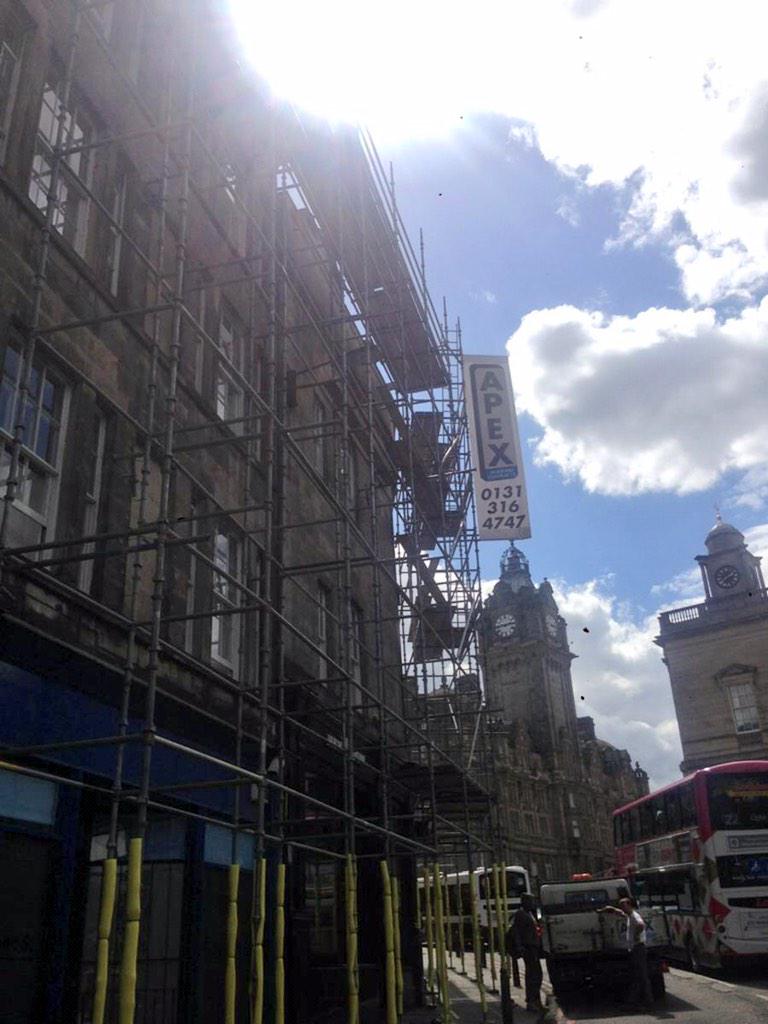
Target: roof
729,767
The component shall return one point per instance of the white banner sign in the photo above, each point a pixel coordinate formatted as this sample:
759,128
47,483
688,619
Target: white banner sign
501,500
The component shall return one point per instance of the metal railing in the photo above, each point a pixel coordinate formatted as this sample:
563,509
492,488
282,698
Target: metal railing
713,610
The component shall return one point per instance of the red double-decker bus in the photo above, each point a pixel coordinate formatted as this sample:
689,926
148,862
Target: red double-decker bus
698,849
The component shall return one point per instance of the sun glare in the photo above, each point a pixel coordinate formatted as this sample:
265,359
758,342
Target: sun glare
406,69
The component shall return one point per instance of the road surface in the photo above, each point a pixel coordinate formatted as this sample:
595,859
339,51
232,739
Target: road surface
691,999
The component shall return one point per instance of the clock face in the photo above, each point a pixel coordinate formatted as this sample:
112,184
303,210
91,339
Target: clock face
727,576
506,625
551,623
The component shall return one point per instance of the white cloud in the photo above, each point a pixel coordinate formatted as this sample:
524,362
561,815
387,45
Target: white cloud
620,676
668,400
667,98
568,211
484,295
752,490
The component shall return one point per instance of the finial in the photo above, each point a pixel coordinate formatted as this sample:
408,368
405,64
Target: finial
718,517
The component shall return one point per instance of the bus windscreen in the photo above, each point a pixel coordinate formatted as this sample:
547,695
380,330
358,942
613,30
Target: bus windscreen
738,801
516,885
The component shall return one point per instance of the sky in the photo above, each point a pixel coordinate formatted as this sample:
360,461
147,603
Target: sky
592,181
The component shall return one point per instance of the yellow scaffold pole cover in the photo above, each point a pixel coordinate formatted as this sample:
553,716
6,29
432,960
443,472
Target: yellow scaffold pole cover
230,977
448,944
398,950
460,917
389,946
280,947
488,897
442,965
500,930
428,925
418,907
128,966
106,913
504,909
476,944
353,988
258,942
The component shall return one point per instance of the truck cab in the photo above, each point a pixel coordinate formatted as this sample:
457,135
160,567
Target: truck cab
583,947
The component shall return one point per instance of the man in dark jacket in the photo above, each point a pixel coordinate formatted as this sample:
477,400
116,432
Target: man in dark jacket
524,939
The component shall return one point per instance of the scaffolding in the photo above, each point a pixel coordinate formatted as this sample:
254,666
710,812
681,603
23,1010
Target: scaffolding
288,555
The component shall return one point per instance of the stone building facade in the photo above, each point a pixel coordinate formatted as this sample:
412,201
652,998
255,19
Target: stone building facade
716,653
211,339
558,781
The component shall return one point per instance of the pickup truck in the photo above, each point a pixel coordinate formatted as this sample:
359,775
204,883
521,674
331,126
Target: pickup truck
585,948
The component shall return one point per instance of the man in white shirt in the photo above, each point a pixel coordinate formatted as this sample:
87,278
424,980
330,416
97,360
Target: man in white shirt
638,949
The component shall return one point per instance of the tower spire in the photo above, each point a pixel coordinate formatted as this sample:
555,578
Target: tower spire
514,564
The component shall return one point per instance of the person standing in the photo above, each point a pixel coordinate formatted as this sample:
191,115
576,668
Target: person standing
524,939
637,938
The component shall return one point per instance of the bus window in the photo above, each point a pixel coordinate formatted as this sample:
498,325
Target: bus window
688,897
624,829
672,810
680,890
634,823
646,820
687,806
658,817
738,800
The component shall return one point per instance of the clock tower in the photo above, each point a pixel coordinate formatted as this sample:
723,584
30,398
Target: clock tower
558,781
729,568
527,659
716,653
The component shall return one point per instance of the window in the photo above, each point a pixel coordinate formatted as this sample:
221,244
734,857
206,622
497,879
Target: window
137,44
583,900
95,445
229,394
162,948
323,901
188,529
352,483
687,805
70,214
42,418
230,199
225,628
323,628
27,799
744,707
115,244
672,810
323,452
11,47
101,14
738,801
356,648
199,354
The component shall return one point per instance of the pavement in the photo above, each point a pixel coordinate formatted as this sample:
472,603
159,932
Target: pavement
466,1005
